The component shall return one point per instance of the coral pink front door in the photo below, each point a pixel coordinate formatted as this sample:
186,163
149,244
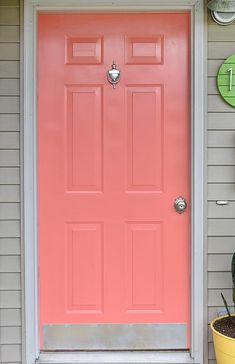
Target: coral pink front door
114,253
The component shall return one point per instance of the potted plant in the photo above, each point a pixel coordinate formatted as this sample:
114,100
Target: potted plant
223,329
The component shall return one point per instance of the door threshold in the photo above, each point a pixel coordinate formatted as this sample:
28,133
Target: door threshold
116,357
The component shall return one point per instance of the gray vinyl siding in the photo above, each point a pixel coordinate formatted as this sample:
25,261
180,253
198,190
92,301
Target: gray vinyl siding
221,176
10,260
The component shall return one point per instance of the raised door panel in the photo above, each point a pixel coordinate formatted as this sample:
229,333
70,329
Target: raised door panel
144,138
144,263
85,264
84,138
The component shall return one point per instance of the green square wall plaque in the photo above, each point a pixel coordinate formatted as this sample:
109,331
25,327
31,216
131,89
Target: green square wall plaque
226,80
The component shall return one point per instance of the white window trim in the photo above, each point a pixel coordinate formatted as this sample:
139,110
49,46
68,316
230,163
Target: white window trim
198,294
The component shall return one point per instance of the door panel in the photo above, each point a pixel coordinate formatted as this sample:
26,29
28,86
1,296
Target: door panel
144,154
85,257
144,264
110,164
84,138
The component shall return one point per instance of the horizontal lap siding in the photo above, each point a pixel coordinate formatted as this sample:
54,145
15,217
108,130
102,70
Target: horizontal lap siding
221,176
10,261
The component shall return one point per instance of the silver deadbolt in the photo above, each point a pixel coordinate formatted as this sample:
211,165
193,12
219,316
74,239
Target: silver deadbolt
180,204
113,75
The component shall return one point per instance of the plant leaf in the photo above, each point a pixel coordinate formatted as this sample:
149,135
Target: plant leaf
226,305
234,296
233,277
233,269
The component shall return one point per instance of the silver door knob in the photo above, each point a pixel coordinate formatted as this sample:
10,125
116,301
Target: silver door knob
180,204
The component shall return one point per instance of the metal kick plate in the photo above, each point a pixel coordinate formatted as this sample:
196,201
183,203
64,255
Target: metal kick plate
115,337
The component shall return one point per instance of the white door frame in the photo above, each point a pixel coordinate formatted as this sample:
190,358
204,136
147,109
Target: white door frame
198,77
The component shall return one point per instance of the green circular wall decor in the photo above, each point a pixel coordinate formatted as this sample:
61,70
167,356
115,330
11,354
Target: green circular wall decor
226,80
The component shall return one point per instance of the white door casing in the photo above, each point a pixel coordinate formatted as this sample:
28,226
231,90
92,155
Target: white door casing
31,344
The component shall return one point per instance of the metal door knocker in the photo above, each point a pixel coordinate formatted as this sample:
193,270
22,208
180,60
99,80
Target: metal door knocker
113,75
